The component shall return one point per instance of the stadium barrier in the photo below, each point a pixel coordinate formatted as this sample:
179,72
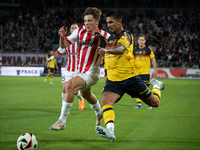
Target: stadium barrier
171,73
0,63
27,59
162,72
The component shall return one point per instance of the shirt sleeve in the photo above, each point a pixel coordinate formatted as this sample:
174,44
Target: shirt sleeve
73,37
151,55
105,34
124,40
61,50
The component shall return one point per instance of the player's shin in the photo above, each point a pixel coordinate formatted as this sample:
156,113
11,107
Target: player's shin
51,79
64,111
63,96
79,96
96,107
156,92
109,116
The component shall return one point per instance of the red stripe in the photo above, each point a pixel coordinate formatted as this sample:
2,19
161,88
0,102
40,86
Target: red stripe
82,60
59,52
91,56
68,40
73,58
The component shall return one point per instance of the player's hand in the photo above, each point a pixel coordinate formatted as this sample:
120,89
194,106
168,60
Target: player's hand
62,32
155,73
98,34
101,50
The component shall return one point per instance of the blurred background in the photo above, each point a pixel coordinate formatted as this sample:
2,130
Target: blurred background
28,28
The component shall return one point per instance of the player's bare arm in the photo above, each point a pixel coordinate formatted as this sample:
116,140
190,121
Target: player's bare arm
55,54
117,50
154,66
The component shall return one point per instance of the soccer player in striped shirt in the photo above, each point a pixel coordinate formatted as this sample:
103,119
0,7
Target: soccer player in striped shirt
89,38
71,67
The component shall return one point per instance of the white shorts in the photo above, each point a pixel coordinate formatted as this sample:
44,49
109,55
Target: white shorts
89,78
67,75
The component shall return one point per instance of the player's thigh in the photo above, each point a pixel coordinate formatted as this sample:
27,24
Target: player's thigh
145,78
109,98
75,83
90,79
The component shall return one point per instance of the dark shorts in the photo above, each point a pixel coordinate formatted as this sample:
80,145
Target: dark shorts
135,87
51,70
145,78
105,72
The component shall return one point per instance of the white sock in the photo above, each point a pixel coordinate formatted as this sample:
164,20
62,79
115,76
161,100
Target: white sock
110,126
79,96
96,107
156,86
63,96
65,110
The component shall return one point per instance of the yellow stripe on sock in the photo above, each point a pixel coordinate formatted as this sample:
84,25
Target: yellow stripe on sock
47,76
139,100
108,114
51,79
156,92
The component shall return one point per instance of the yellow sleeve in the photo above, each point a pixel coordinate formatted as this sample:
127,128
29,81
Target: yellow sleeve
152,53
124,40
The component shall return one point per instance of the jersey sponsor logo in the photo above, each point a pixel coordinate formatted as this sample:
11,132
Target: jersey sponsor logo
73,53
88,44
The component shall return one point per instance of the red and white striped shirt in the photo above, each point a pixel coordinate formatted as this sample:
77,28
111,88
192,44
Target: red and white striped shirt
71,52
88,57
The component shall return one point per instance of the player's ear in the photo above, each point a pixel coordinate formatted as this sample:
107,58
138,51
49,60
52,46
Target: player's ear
120,21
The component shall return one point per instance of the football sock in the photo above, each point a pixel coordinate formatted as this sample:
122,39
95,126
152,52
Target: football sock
156,92
96,107
79,96
51,79
139,101
47,76
63,96
108,116
65,110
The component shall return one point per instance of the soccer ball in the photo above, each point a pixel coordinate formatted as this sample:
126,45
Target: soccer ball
27,141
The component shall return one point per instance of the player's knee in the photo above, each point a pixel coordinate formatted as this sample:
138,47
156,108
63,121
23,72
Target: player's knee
69,87
76,92
63,90
155,103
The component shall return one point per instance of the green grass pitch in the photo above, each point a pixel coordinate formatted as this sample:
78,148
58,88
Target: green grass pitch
27,104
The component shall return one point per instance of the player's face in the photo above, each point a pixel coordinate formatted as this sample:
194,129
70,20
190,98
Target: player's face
51,52
91,24
141,41
113,25
73,27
